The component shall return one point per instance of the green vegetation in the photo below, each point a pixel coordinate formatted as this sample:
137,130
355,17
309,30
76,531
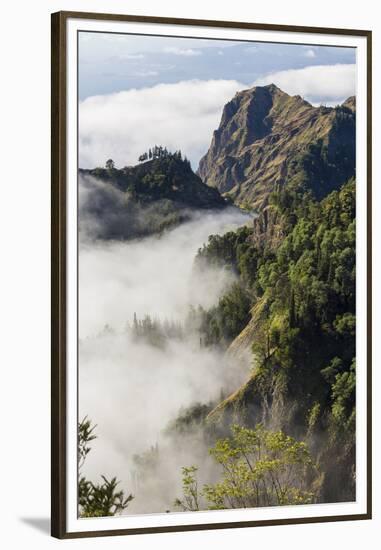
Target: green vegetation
232,252
146,467
287,436
159,152
110,165
159,175
222,323
267,137
155,332
308,286
157,194
301,297
85,436
96,499
258,468
190,502
102,499
189,419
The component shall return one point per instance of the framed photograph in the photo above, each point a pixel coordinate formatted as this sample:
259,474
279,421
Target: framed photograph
211,274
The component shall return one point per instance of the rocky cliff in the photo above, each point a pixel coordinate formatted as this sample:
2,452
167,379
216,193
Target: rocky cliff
267,139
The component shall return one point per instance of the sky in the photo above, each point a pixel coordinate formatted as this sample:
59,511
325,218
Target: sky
136,91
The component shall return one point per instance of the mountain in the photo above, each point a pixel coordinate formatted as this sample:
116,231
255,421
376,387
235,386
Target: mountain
141,200
292,311
267,139
169,177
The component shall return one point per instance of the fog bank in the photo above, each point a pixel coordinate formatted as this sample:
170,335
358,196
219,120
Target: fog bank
130,388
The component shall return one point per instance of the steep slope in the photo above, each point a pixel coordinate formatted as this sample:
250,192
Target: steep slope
267,139
301,333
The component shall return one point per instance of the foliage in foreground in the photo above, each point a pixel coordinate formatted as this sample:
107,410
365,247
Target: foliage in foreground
96,499
258,468
101,499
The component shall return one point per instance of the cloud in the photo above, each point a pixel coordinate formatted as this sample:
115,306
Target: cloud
184,115
187,52
180,116
128,56
112,37
145,73
310,53
147,276
318,84
132,389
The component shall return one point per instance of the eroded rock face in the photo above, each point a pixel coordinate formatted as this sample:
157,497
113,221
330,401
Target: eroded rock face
267,139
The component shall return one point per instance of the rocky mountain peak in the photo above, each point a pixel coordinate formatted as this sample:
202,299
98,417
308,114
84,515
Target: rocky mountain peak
350,103
268,138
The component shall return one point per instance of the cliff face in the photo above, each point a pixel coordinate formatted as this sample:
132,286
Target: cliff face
267,139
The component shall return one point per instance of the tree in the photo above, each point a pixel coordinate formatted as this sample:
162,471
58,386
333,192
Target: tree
96,499
143,157
191,495
302,305
110,165
258,468
223,322
85,436
102,499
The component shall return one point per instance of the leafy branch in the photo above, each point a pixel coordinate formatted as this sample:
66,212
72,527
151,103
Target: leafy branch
96,499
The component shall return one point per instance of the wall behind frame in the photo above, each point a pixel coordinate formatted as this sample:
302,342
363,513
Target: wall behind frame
25,272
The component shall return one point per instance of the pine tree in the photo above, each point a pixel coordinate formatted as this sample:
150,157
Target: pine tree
110,165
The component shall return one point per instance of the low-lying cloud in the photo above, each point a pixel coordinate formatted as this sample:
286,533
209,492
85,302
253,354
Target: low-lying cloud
329,84
187,52
184,115
150,276
130,388
180,116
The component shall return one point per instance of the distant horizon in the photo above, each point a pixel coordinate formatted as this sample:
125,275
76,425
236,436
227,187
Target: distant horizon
139,90
244,90
111,63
